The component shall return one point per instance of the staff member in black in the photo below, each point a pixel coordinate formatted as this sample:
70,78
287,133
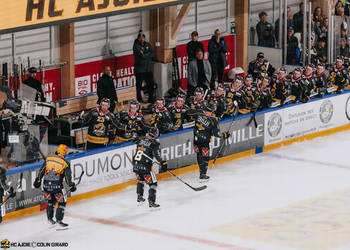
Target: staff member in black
217,48
193,46
34,83
143,55
106,88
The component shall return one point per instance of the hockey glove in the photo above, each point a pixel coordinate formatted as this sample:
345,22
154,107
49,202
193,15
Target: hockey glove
73,188
164,165
37,183
12,192
226,135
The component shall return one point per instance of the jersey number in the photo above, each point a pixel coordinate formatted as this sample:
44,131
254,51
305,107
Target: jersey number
138,155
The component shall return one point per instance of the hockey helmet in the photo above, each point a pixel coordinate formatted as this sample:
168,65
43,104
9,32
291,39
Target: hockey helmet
153,132
180,97
199,90
283,70
160,100
105,101
62,149
210,107
134,104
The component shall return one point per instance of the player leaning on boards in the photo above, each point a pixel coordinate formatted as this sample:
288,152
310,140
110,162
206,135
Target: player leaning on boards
206,126
54,172
143,165
5,189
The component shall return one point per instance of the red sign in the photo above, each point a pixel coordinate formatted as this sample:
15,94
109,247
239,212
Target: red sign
87,74
52,84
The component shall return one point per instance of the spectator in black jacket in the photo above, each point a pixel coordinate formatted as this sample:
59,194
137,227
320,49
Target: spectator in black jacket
321,50
192,46
344,48
34,83
143,55
292,46
265,32
217,48
106,88
298,19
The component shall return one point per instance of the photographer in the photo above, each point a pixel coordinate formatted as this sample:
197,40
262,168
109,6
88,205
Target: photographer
264,30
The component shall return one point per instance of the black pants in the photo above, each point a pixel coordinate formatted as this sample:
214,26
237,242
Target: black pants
1,199
151,180
217,69
202,150
53,198
148,78
90,145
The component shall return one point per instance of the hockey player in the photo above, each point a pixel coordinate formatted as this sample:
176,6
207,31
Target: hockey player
142,165
299,88
308,76
265,96
279,86
260,67
133,122
54,172
251,95
161,117
220,100
234,96
197,102
178,112
5,189
206,126
338,77
100,122
320,80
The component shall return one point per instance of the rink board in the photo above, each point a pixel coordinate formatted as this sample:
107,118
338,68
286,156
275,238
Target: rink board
110,169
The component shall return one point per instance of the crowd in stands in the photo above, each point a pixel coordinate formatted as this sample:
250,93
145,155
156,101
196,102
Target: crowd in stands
268,34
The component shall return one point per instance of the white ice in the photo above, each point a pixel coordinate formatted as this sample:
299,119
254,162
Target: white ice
236,190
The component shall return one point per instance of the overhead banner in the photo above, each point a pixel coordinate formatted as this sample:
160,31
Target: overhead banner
24,14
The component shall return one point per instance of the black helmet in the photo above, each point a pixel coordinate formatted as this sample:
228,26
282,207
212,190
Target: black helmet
106,101
160,100
211,107
260,55
180,97
153,132
135,104
199,90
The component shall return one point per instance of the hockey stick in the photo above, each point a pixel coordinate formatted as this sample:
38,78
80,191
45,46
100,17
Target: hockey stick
80,177
223,144
178,178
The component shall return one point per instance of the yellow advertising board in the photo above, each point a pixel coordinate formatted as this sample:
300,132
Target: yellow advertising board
24,14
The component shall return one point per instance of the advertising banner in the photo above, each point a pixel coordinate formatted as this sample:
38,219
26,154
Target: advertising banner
178,150
104,169
26,194
19,14
308,118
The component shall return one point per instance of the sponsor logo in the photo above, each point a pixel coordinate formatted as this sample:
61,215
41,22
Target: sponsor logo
326,111
274,125
347,108
5,244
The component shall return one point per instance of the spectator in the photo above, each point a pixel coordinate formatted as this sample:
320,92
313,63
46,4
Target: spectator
343,34
192,46
34,83
338,5
317,29
344,48
217,48
340,12
318,16
298,19
199,73
106,88
321,51
290,23
265,31
143,55
292,47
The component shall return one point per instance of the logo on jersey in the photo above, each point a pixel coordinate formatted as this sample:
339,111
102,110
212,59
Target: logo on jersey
326,111
274,125
347,108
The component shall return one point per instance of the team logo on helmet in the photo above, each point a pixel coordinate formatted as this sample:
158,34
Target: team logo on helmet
326,111
274,125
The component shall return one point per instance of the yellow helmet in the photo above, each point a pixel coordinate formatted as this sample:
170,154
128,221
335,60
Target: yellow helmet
62,149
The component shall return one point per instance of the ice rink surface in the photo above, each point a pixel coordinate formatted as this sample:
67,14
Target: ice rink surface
297,197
